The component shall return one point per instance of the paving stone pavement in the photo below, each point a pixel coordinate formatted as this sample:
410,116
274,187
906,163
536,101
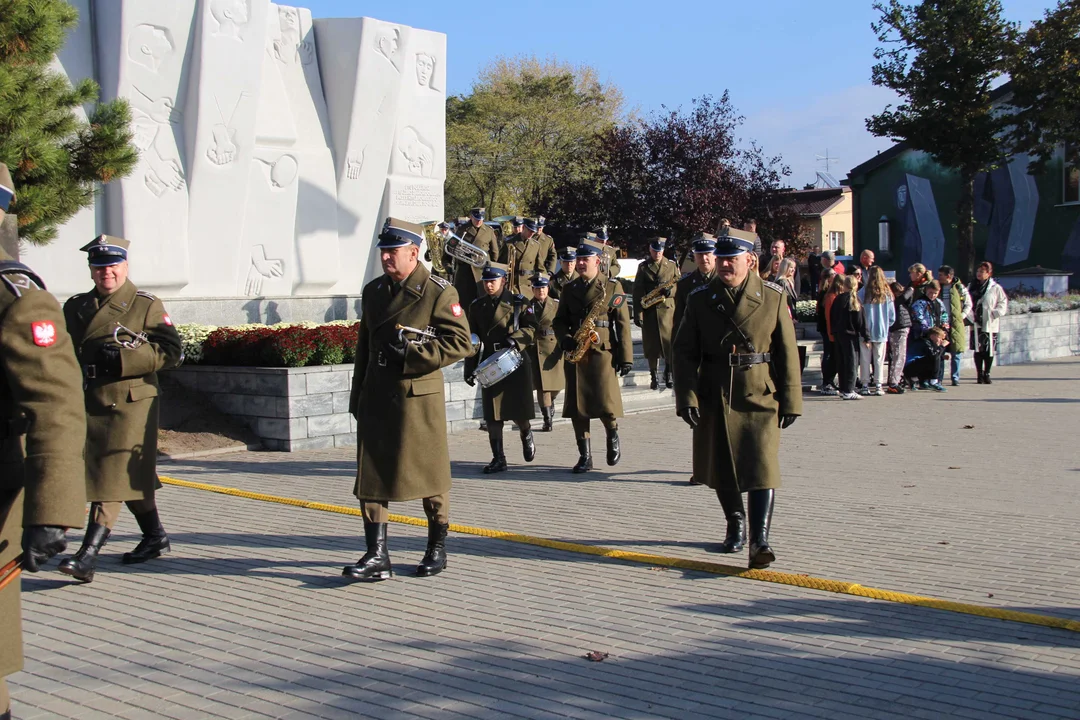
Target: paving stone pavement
249,617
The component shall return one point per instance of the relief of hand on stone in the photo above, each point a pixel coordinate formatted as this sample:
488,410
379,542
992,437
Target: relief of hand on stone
160,110
262,268
425,69
231,17
149,45
387,43
418,154
353,165
163,175
223,150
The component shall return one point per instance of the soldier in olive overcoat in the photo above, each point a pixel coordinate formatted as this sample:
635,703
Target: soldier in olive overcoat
546,356
398,398
527,254
737,384
566,273
466,276
42,426
593,388
609,263
123,338
701,254
656,322
504,320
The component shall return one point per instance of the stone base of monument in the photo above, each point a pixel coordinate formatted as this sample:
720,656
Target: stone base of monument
263,310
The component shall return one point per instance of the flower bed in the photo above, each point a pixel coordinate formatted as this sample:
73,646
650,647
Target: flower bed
283,345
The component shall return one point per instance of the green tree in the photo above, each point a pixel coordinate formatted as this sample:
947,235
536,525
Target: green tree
55,156
943,57
526,121
1045,73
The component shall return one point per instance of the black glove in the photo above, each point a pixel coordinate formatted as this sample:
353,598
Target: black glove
41,542
668,292
625,369
637,321
395,352
691,416
568,344
471,381
108,361
787,420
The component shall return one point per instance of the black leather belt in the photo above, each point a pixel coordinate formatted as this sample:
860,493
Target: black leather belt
602,324
14,427
89,372
526,273
547,333
739,359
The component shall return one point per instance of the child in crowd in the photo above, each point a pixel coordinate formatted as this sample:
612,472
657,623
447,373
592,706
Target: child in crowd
849,329
923,357
878,315
898,336
928,312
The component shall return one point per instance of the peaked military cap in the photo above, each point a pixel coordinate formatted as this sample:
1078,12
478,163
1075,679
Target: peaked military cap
658,244
532,224
7,188
478,213
541,221
732,242
445,226
704,243
494,271
518,221
568,253
540,281
589,247
399,233
602,234
105,250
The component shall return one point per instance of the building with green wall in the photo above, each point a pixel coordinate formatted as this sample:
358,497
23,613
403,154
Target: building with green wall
905,211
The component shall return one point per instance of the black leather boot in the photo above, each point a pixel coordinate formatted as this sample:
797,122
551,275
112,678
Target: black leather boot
989,360
81,565
483,425
667,377
375,564
154,543
434,561
498,457
613,451
584,463
528,446
653,384
761,510
735,539
549,418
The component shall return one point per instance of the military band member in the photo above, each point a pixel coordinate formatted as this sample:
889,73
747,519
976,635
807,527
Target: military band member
504,320
566,272
42,430
656,322
593,389
702,250
467,277
516,225
610,265
123,338
546,356
527,254
398,399
737,384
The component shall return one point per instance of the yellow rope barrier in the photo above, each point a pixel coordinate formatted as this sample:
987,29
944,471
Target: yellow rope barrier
803,581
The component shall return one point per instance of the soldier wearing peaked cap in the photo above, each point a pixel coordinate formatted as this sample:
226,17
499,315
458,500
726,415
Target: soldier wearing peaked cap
467,277
411,326
42,426
504,320
737,384
609,264
658,275
702,256
593,327
547,360
123,338
566,273
527,253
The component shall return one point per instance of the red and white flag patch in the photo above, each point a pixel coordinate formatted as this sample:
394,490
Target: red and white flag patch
167,320
456,309
44,333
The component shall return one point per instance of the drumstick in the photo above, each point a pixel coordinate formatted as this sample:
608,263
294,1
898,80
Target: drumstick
10,571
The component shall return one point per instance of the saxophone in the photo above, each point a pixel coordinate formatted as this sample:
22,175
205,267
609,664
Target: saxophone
586,334
656,295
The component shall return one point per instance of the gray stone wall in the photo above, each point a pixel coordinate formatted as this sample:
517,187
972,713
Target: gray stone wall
263,310
1034,337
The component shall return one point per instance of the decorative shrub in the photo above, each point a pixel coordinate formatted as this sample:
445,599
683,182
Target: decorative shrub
1022,304
283,345
806,311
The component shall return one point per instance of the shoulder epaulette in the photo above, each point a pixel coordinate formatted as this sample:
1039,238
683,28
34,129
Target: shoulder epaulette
686,275
441,282
148,296
19,278
698,289
773,285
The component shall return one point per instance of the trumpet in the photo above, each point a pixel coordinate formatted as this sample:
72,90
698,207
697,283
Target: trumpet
137,338
424,335
466,252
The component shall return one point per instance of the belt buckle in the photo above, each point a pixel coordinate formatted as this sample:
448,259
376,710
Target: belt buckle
91,372
381,359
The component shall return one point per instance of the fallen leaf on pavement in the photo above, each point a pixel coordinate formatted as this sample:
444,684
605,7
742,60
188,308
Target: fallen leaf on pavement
989,594
954,467
943,542
909,486
969,427
657,568
596,656
884,444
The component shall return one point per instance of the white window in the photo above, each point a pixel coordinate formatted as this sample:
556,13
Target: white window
836,241
1071,173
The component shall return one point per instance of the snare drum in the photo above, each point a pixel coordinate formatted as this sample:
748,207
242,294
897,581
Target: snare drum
498,366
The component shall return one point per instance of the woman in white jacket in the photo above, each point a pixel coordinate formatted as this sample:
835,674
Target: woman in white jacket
990,305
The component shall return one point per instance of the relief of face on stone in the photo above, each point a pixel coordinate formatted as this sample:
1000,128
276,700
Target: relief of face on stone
901,197
231,17
282,171
262,268
222,150
288,47
387,43
354,164
149,45
425,69
418,155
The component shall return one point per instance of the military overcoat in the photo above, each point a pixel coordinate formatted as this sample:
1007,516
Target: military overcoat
611,260
683,288
559,282
42,428
593,388
400,411
657,322
527,258
492,319
739,448
467,277
122,413
547,358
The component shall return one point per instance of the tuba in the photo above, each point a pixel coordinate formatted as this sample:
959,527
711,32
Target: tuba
466,252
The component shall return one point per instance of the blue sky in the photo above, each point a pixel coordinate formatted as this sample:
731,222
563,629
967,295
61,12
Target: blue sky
799,70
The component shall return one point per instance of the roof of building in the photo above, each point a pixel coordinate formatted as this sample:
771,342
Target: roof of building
815,202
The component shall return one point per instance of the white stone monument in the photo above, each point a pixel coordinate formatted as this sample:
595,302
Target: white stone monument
271,148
